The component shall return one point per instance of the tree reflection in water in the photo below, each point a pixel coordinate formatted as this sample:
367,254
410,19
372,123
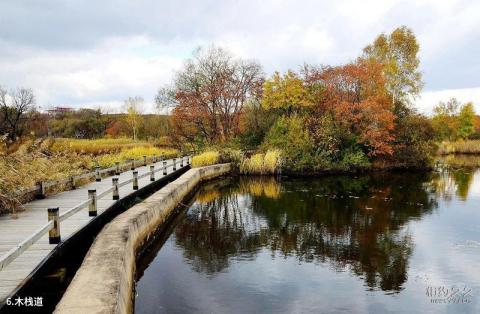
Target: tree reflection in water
351,223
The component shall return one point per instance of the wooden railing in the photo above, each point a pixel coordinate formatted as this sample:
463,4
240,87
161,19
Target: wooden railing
40,189
54,218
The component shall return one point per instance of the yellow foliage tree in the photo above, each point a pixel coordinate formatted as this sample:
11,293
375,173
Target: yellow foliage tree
287,92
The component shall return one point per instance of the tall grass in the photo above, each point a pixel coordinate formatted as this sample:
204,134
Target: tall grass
206,159
459,147
97,146
44,160
136,153
24,168
268,163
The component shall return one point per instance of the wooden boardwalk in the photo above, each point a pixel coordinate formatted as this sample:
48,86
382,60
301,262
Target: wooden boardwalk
13,230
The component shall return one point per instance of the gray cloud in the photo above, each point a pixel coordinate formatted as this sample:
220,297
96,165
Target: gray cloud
89,52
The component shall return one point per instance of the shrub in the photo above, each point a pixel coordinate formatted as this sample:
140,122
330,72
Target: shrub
233,156
354,158
298,149
206,159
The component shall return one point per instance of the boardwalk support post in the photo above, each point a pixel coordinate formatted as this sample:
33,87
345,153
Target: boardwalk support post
116,195
117,168
92,207
174,164
144,161
164,168
54,233
154,158
188,160
181,161
72,182
42,190
97,174
132,165
135,180
152,173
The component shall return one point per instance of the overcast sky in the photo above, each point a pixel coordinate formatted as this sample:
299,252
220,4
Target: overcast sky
97,53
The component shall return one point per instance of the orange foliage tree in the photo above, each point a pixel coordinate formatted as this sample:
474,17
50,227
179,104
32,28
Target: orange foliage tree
356,96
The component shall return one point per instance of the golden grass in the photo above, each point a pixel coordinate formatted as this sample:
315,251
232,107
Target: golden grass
268,163
206,159
97,146
45,160
459,147
136,153
19,171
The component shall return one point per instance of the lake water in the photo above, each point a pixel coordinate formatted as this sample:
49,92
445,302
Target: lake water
384,243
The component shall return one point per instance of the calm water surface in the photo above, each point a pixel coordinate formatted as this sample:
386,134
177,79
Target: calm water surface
391,243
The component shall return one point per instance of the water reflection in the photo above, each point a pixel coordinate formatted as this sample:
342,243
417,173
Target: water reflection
454,175
349,223
366,244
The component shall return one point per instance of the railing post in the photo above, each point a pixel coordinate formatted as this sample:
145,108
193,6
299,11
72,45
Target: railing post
174,164
42,190
188,160
181,161
92,207
164,168
152,173
135,180
116,195
132,164
117,168
144,161
97,174
54,233
72,182
154,158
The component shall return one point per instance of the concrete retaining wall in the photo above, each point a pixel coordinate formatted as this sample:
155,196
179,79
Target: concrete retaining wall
104,282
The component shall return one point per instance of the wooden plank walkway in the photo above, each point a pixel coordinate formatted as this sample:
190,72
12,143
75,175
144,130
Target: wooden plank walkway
13,230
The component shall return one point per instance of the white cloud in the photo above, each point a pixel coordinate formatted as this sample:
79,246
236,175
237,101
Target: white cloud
429,99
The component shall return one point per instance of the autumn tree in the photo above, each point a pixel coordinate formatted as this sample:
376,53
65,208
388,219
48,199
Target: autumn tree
14,107
465,121
356,96
210,93
398,53
287,93
444,121
133,108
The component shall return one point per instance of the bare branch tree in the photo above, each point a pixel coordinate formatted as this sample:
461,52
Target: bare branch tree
210,93
13,107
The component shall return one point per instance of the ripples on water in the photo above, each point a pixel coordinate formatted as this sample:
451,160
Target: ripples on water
384,243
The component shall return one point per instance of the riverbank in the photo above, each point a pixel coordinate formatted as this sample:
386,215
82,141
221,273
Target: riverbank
104,282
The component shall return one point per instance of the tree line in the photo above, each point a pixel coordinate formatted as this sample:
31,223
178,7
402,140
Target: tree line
321,116
357,114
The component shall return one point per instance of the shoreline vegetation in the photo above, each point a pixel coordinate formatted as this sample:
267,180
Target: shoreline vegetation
461,147
316,120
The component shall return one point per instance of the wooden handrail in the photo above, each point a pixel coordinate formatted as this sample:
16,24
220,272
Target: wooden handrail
48,184
8,257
